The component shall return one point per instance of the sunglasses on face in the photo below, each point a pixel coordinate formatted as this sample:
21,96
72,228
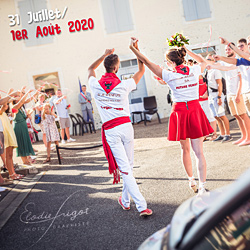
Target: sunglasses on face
240,46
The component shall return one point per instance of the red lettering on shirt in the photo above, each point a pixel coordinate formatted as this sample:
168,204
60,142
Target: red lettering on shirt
181,87
192,85
106,107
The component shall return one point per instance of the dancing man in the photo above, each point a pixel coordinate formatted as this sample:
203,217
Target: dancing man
111,97
187,120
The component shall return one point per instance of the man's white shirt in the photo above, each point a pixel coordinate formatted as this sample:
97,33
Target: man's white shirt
232,79
114,104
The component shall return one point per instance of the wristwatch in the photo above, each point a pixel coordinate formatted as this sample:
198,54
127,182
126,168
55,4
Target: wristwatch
219,96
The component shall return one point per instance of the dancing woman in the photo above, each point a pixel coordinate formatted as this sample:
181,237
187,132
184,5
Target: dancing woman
187,121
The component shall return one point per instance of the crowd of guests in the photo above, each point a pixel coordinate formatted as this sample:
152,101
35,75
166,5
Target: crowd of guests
17,126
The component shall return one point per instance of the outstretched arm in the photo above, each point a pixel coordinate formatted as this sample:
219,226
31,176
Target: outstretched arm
9,96
225,59
138,75
203,62
33,96
239,52
5,100
95,64
60,99
221,67
152,66
196,57
22,100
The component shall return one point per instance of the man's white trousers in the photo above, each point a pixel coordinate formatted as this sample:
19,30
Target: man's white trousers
121,142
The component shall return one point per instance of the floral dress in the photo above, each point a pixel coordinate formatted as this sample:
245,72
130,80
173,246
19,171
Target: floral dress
50,128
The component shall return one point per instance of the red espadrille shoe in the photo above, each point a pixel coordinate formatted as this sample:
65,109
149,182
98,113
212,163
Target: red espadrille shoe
146,212
120,202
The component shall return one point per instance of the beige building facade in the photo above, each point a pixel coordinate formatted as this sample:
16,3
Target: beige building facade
60,59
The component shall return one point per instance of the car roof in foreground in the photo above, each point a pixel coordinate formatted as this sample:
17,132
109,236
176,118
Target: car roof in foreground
214,205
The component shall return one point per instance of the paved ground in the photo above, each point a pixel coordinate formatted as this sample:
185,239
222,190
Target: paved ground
74,205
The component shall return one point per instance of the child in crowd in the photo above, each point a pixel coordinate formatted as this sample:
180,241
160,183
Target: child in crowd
50,128
31,131
30,125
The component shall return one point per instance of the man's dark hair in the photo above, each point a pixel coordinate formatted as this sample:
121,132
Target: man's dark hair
110,62
243,40
83,85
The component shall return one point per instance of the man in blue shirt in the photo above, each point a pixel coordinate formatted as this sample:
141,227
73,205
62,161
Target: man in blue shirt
244,69
245,60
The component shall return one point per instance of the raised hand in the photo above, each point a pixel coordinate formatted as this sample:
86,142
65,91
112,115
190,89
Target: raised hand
209,67
23,89
223,41
217,57
109,52
10,90
134,43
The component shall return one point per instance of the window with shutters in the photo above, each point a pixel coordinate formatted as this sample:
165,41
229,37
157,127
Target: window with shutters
205,50
196,9
117,16
128,63
26,6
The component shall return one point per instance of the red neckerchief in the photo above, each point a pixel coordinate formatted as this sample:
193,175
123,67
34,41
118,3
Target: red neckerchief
109,81
182,69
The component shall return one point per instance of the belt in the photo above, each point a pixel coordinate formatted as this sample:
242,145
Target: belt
213,90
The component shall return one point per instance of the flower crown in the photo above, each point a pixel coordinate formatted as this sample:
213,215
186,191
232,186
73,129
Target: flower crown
177,40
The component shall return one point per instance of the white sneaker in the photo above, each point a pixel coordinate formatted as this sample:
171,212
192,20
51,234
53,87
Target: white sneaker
71,139
52,148
193,185
63,142
2,189
201,191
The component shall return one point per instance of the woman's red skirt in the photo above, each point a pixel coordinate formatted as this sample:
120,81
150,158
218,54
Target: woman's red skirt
188,120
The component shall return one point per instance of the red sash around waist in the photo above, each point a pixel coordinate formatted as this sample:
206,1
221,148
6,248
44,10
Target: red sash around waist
113,167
